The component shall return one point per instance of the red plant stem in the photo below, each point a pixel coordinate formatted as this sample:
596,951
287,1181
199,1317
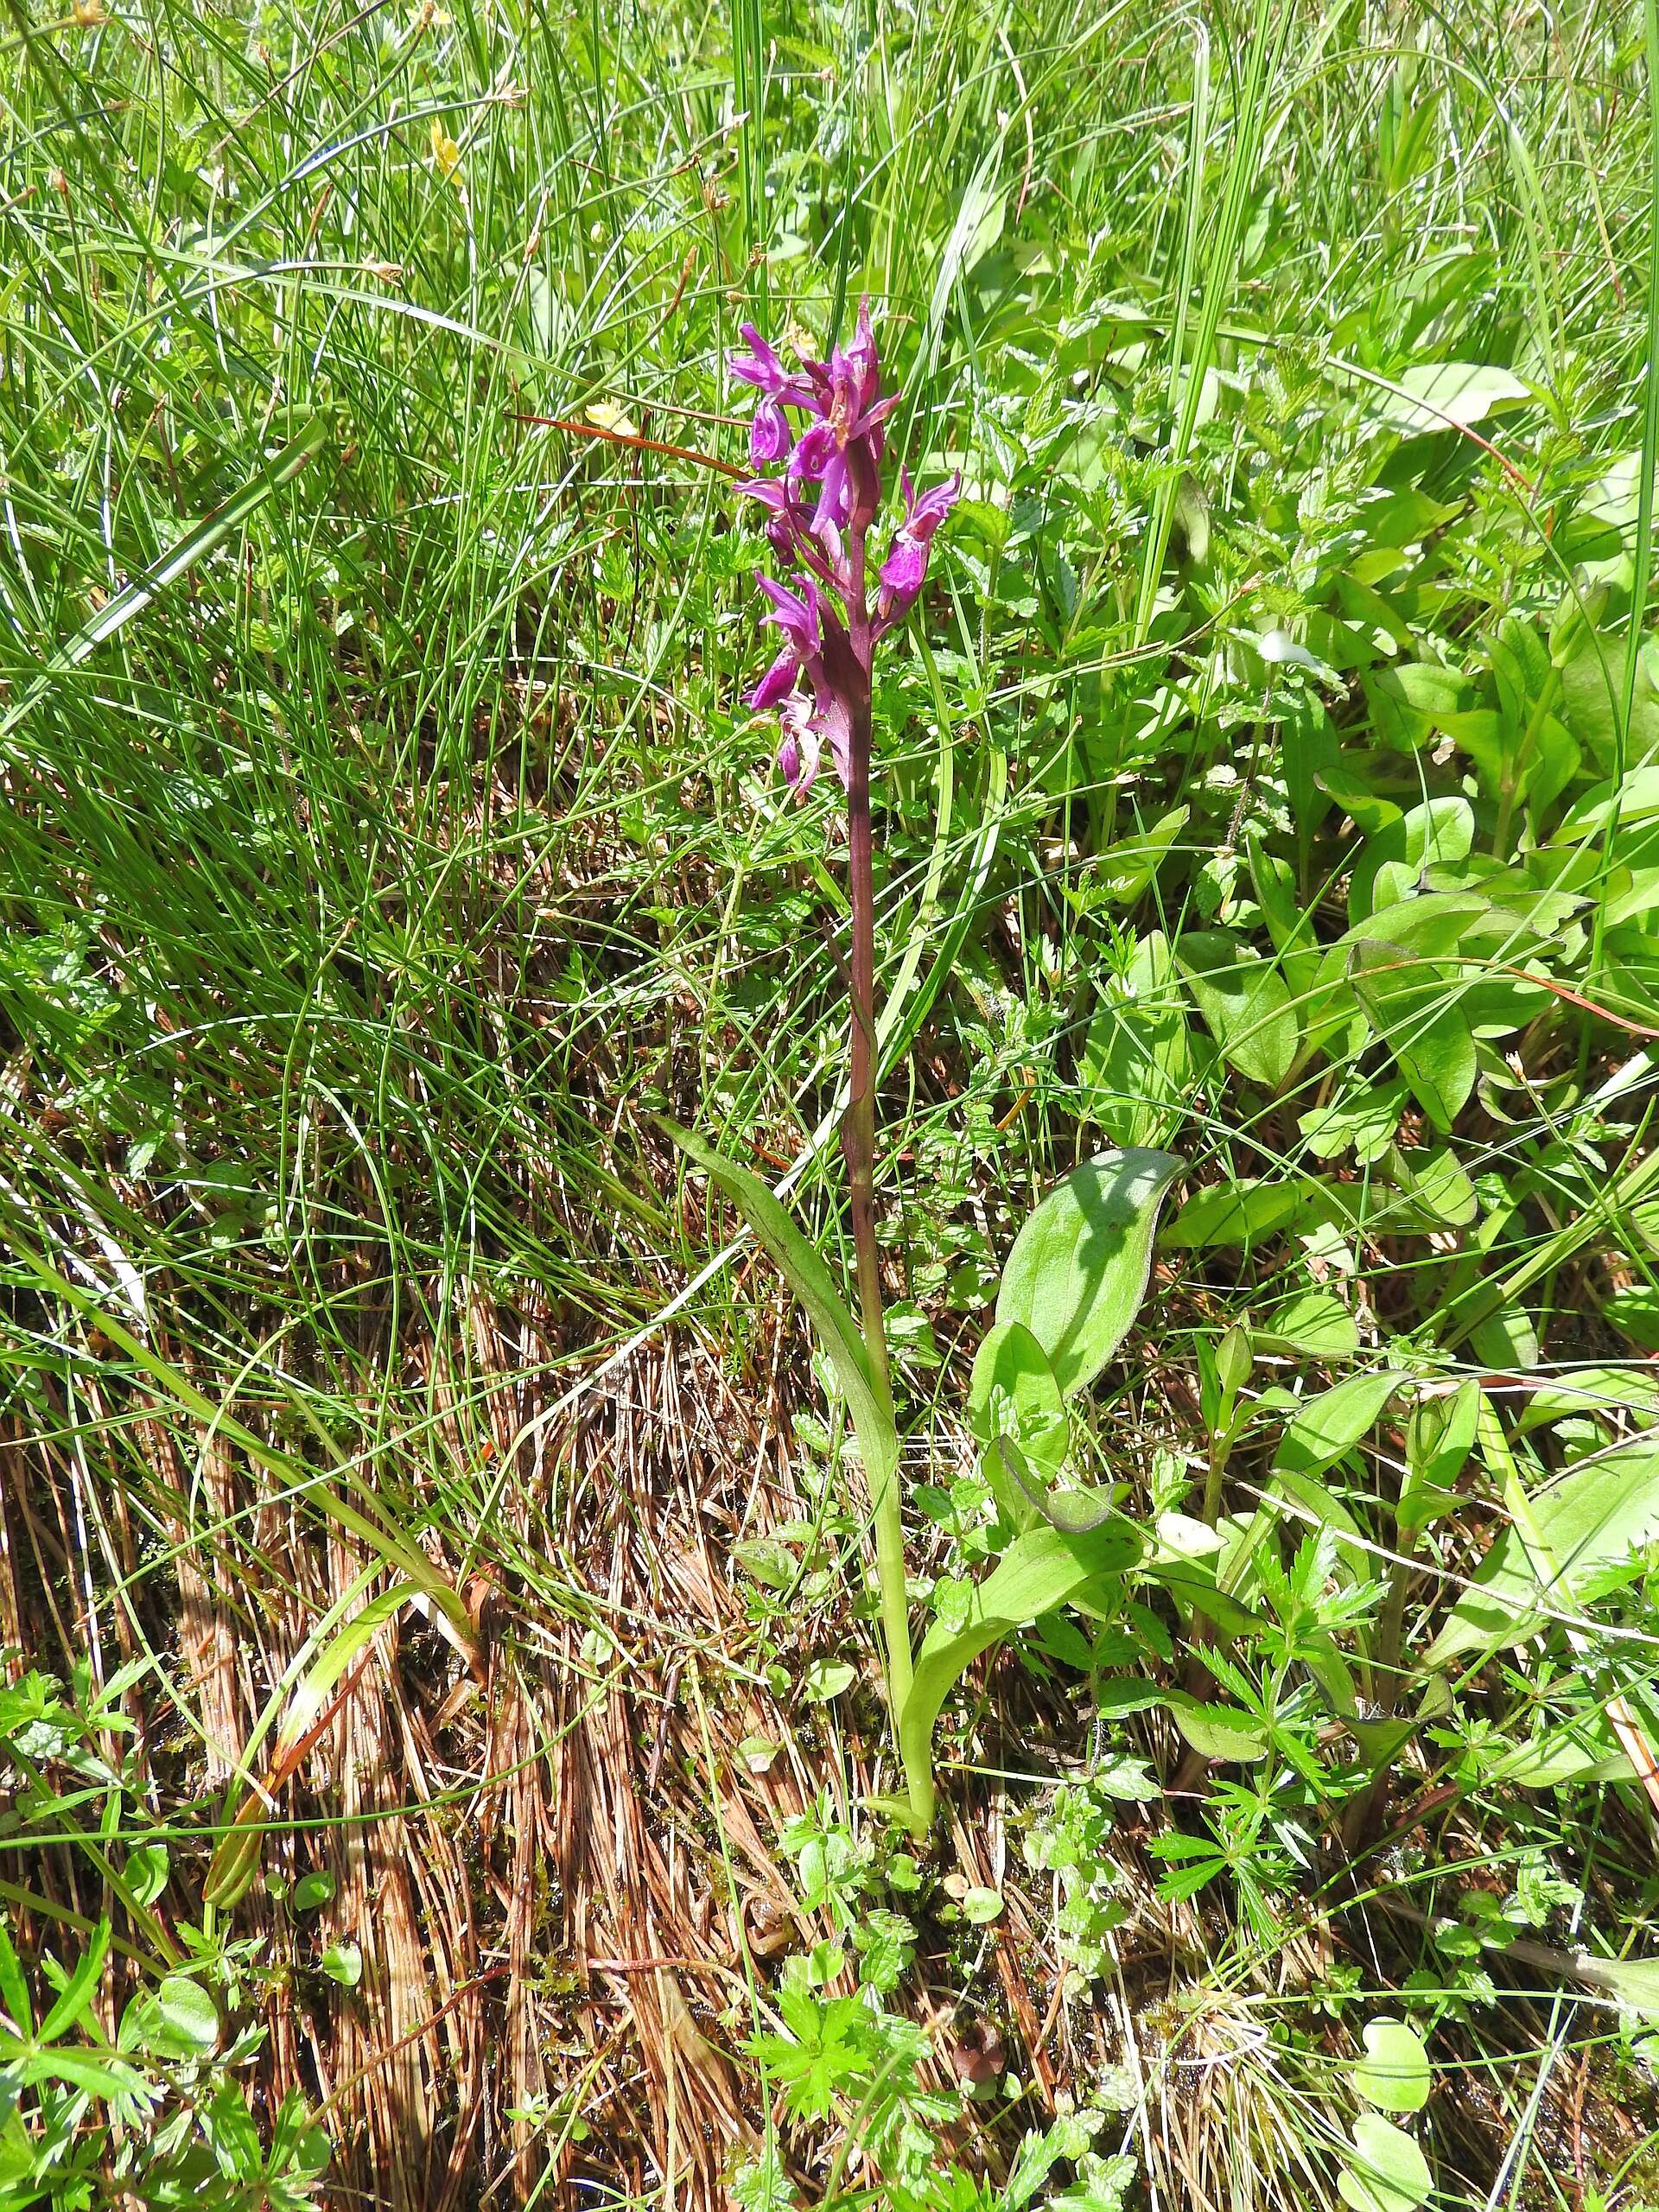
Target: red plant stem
858,1145
858,1125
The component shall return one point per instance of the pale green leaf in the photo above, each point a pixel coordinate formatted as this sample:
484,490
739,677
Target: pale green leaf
1389,2173
1039,1572
1394,2074
1079,1266
1245,1004
1445,396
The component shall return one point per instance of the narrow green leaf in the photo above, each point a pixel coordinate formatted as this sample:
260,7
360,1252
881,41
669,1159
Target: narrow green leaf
194,546
1334,1421
78,1992
807,1276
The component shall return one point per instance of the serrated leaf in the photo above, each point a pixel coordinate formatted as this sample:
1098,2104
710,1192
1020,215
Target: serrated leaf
1080,1264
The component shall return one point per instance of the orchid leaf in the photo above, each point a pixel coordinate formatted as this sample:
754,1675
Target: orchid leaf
1331,1424
808,1277
1074,1511
1079,1267
1040,1571
1592,1526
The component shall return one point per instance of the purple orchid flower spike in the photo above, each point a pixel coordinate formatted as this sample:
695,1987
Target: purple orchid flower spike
820,681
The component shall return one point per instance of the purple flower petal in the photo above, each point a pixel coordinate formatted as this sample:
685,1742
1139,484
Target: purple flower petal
797,616
800,747
769,433
777,682
906,566
813,451
759,366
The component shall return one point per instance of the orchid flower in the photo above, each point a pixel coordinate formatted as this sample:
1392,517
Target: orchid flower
820,682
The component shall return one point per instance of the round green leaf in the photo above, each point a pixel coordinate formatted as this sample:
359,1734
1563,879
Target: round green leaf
312,1891
828,1678
1390,2173
343,1962
981,1906
1394,2074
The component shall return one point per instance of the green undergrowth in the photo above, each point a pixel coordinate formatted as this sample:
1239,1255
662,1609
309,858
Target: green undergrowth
1270,781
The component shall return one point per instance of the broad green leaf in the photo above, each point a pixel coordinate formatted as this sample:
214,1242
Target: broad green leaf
803,1270
1595,1520
1389,2173
1364,1123
1080,1264
313,1890
1245,1004
1075,1511
1414,1010
343,1962
1445,396
1633,1982
1216,1732
1333,1422
189,2013
1411,701
1013,1392
1507,1338
1135,1067
1434,1191
1038,1572
1125,869
1237,1213
1394,2074
1316,1322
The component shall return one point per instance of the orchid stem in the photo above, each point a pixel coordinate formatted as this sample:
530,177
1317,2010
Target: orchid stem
858,1144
